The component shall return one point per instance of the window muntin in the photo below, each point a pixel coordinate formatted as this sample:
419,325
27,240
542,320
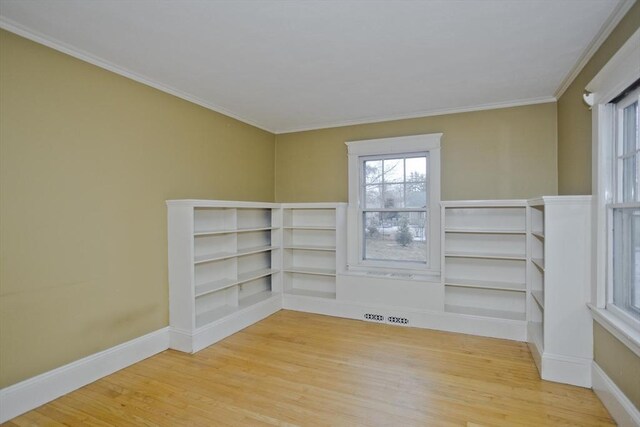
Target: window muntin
394,208
624,295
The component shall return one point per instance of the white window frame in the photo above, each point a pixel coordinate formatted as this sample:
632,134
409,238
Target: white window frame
619,73
400,146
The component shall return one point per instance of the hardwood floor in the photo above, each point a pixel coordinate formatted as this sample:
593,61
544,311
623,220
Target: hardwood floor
309,370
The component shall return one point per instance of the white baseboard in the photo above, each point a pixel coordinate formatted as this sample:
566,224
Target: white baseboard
428,319
619,406
566,369
214,332
29,394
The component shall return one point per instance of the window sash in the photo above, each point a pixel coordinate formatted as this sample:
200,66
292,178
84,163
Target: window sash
363,208
623,259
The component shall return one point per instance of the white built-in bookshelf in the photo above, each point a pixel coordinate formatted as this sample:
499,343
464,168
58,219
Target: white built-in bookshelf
512,269
313,248
224,260
559,323
484,258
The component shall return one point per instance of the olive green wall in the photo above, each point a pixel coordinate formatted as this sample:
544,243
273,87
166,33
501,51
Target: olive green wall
574,117
492,154
87,159
621,364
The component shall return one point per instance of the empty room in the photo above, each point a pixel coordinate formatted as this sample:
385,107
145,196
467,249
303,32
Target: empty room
320,213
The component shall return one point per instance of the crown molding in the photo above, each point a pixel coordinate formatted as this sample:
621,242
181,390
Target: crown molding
420,114
52,43
605,31
14,27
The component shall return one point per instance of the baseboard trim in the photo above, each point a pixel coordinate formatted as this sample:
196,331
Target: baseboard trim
566,369
204,337
29,394
427,319
617,403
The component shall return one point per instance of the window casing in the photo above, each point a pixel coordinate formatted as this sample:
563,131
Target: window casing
394,196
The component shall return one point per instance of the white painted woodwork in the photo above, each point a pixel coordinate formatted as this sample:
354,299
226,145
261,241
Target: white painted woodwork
559,323
314,249
224,268
484,258
354,62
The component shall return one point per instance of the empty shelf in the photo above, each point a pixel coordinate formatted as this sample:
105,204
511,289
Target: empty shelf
311,270
538,296
231,231
484,231
539,262
485,312
255,299
517,257
308,227
311,248
218,313
216,285
211,316
482,284
225,255
310,293
255,274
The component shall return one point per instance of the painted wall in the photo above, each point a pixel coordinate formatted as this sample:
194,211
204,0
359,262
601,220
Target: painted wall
492,154
87,159
574,117
621,364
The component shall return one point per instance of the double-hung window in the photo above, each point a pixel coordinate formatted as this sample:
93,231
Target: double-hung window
394,197
624,210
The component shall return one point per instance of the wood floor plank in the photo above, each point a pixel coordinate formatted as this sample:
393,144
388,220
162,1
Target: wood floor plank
301,369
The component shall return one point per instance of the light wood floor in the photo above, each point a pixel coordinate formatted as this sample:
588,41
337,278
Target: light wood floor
309,370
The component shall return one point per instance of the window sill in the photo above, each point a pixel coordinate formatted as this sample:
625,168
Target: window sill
620,329
395,274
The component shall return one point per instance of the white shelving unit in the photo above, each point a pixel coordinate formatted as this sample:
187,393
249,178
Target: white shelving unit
224,268
484,258
313,248
559,323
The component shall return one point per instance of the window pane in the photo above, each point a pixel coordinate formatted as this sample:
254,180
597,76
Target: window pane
373,196
629,179
393,170
416,194
373,171
630,129
626,260
395,236
393,195
416,168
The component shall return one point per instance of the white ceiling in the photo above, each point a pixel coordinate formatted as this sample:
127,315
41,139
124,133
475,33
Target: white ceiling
292,65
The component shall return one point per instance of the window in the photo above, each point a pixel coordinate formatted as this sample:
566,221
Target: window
394,212
394,196
615,241
625,209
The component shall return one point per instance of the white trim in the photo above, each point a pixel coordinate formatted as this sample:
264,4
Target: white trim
14,27
210,334
566,369
624,332
617,403
222,204
29,394
427,319
429,143
421,114
621,71
605,31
